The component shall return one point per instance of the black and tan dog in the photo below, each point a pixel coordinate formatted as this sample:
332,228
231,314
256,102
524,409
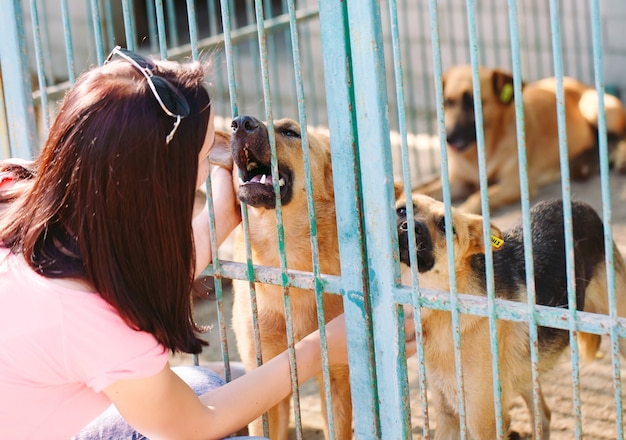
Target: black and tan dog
251,153
510,284
500,134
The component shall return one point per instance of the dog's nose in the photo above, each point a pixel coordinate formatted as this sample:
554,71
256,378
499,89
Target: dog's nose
419,228
244,123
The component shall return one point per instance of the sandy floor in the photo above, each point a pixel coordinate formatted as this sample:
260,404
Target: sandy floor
596,389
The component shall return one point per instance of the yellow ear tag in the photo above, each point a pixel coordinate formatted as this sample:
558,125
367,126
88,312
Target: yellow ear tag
506,94
496,242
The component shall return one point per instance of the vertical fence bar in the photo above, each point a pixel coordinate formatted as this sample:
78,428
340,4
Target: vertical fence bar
16,82
567,209
482,168
525,206
441,128
607,214
321,320
406,172
41,75
280,230
346,180
69,48
372,120
96,22
129,24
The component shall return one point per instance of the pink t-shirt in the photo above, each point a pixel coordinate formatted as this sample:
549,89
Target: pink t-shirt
59,348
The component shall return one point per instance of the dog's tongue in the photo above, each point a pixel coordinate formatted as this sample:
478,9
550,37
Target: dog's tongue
263,179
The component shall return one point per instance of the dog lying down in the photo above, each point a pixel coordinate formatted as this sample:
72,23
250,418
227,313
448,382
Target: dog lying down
539,100
510,283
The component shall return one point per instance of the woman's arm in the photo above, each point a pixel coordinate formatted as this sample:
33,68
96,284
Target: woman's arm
163,406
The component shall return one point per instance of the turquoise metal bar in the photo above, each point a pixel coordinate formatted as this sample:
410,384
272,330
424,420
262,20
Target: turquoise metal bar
525,206
249,268
400,100
193,28
45,41
319,290
69,48
484,197
272,55
567,209
171,22
406,172
97,29
41,75
606,213
108,22
280,230
16,77
441,129
129,25
370,96
346,180
514,311
160,22
152,27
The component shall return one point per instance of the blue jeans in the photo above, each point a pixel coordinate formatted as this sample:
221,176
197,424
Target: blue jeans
111,426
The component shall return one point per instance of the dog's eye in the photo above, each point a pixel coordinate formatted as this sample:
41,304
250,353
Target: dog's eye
441,224
448,102
401,211
287,132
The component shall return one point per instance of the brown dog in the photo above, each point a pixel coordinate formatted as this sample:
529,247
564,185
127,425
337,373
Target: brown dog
510,284
500,134
251,153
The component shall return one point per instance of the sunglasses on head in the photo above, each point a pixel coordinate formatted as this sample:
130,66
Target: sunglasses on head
169,97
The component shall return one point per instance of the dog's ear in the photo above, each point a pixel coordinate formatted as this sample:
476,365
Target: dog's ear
503,86
496,238
476,240
398,189
220,153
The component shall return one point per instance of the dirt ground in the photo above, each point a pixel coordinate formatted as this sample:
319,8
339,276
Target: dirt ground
596,384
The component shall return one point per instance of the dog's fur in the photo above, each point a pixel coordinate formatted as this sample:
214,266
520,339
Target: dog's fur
500,134
251,153
510,283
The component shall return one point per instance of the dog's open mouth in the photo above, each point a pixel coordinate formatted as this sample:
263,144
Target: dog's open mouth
423,244
256,184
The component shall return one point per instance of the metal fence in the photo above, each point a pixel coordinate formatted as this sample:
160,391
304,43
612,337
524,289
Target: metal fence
370,73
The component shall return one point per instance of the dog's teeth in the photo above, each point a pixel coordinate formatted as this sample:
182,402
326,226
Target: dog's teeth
263,177
251,166
241,182
281,182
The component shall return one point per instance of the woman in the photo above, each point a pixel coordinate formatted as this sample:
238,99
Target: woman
98,252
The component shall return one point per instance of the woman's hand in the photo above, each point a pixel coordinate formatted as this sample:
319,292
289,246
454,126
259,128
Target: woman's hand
227,217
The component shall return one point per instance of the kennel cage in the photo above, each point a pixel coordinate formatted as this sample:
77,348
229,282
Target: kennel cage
369,72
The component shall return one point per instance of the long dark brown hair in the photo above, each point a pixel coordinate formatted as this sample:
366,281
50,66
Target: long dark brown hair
109,202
